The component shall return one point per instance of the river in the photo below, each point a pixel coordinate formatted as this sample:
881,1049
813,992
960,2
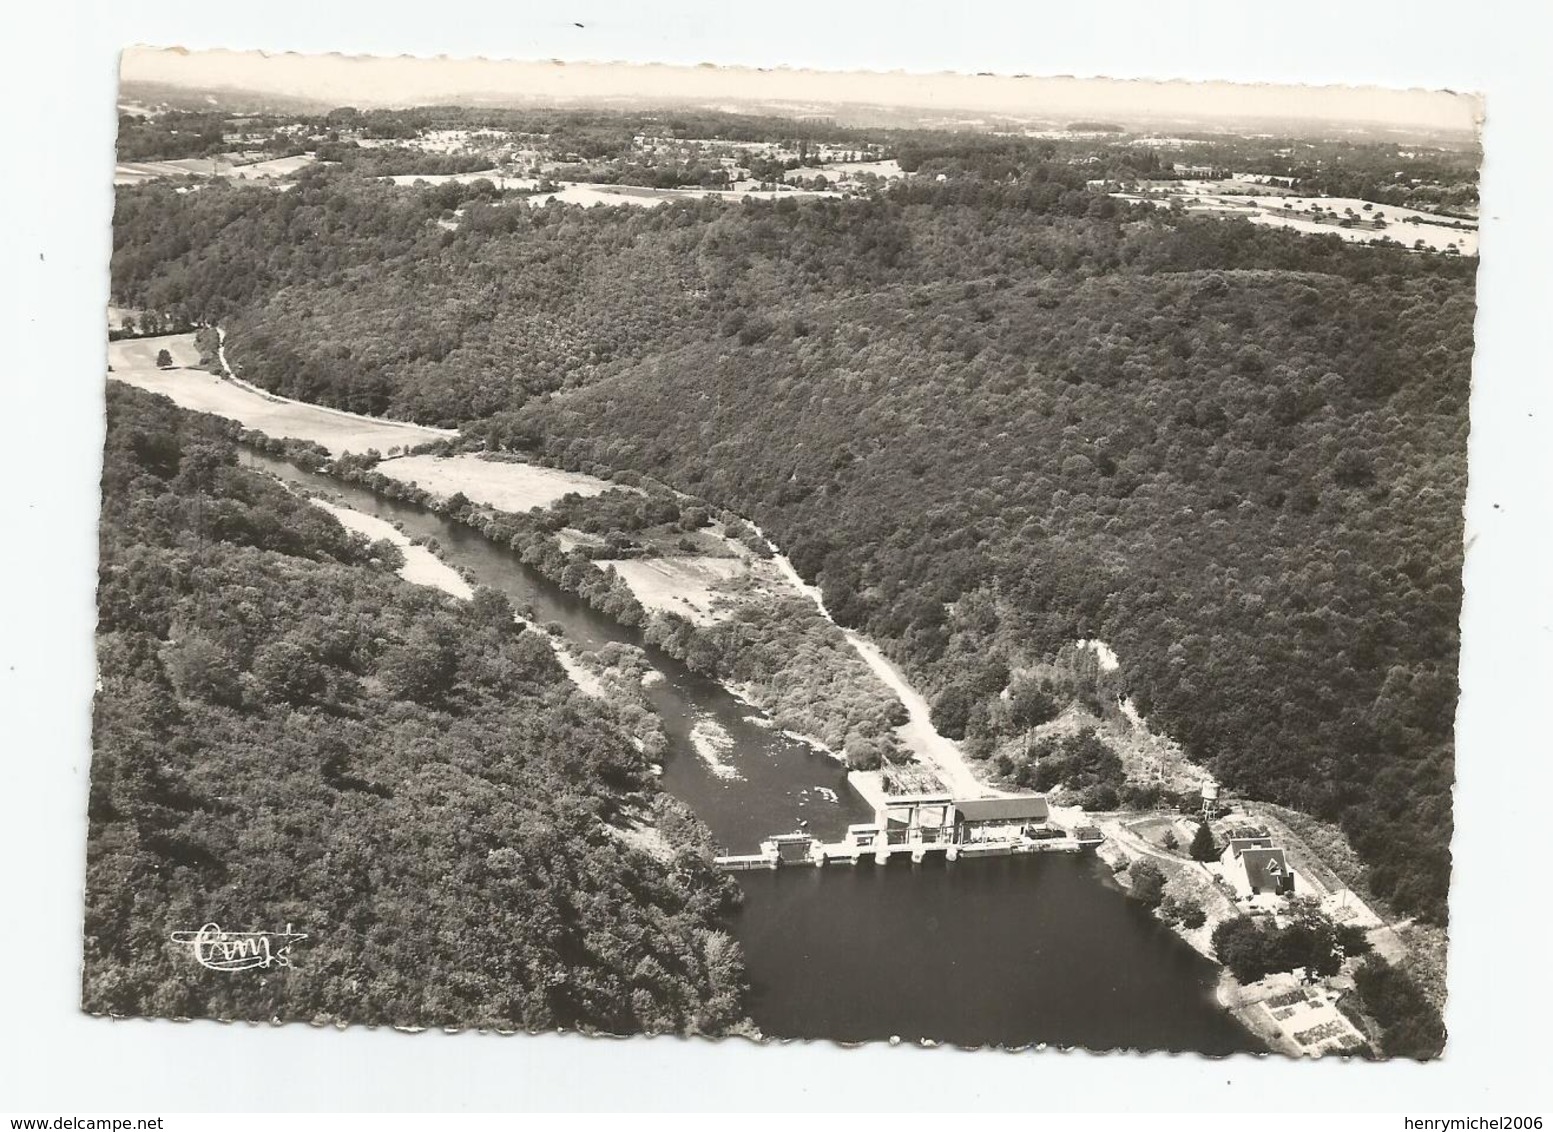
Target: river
1007,951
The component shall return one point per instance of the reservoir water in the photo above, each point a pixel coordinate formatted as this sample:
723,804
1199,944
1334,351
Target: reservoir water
1007,951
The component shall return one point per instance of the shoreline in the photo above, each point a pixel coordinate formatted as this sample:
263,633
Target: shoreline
423,567
917,735
1228,994
1226,991
1247,1004
742,693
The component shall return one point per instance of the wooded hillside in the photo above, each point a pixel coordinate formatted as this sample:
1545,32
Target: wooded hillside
286,733
988,418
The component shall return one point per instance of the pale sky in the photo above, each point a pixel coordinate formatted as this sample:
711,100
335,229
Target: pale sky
408,81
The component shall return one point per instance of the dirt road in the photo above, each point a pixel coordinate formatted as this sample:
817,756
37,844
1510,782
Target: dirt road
917,734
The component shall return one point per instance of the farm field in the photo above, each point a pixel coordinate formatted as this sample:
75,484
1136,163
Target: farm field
276,167
495,176
890,169
679,585
1261,205
133,361
577,192
495,483
1404,225
139,172
132,354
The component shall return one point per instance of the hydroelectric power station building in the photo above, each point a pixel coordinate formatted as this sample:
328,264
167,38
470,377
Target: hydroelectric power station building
919,824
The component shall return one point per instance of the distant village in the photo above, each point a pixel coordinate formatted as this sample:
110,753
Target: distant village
654,167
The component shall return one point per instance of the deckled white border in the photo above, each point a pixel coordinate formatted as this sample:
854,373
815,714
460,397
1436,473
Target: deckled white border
56,208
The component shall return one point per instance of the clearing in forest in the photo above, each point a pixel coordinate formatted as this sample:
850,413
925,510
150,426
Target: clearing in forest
683,585
133,361
505,485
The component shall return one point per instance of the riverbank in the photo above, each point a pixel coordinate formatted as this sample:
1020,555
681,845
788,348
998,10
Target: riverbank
1187,880
423,568
719,767
917,735
411,735
1293,1016
758,637
1246,1008
511,488
979,987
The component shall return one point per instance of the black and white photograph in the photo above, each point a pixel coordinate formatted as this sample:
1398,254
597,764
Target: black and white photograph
646,551
694,573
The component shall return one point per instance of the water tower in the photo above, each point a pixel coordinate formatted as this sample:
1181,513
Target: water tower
1210,799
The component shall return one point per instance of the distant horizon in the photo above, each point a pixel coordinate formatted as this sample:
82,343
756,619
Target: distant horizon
379,82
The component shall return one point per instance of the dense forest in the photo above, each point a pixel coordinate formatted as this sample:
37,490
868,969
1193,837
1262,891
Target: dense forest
988,415
286,733
170,137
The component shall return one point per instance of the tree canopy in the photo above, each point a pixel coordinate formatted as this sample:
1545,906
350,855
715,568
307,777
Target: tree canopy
987,415
286,733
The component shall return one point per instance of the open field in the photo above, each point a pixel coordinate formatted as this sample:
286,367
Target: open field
571,538
133,362
588,195
1262,204
678,585
495,176
576,192
117,315
133,354
275,167
139,172
1404,225
842,170
616,196
496,483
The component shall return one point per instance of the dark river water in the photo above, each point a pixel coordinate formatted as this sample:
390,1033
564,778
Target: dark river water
1006,951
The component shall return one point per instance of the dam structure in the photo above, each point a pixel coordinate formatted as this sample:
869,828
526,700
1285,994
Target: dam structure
920,824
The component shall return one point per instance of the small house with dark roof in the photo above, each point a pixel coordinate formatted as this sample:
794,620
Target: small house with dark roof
1260,871
982,819
1238,845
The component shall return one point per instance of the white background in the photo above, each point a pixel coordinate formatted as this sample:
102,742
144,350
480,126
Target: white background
58,153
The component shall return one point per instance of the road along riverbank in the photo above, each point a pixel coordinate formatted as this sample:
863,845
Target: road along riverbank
1027,950
917,734
738,801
